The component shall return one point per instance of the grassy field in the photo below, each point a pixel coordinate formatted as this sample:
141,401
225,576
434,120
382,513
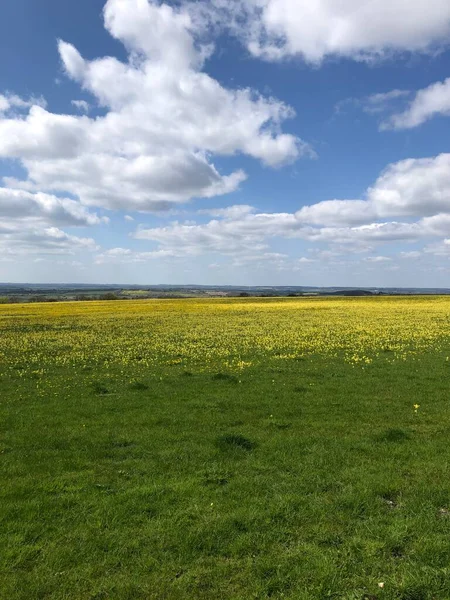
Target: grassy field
225,449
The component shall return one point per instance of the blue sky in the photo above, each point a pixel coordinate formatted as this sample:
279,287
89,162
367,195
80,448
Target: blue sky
259,142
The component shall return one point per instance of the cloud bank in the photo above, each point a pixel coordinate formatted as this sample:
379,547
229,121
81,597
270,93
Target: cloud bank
316,29
409,202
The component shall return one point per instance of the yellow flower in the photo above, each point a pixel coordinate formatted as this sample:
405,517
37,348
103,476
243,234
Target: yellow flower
416,406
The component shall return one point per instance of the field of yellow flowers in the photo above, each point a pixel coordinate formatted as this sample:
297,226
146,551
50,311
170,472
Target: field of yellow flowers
239,449
219,334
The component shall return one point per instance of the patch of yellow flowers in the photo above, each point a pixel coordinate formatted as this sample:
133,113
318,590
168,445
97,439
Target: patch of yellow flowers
207,334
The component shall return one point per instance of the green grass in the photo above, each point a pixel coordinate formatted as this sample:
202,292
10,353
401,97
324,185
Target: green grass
302,480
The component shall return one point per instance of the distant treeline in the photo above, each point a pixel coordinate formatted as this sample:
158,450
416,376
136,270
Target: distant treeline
43,298
34,298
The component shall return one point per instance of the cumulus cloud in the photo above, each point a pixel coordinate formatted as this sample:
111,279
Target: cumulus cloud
30,224
337,212
252,232
20,204
225,236
316,29
160,32
412,187
427,103
146,183
165,119
409,202
18,239
43,136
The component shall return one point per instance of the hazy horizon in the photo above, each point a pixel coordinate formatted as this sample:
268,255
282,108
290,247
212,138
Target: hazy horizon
118,284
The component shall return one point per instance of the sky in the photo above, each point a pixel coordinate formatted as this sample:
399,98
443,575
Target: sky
221,142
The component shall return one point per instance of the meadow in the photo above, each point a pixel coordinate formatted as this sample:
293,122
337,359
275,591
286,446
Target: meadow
225,449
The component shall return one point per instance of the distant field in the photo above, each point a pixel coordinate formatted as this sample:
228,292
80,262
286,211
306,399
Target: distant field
134,293
225,449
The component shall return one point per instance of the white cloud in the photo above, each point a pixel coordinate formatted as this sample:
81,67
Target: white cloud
125,255
145,183
315,29
223,236
441,248
21,240
160,32
30,224
377,102
165,117
165,120
252,232
412,187
230,212
155,107
274,258
4,103
413,254
391,231
43,136
81,105
374,104
377,259
20,204
337,212
427,103
437,225
11,102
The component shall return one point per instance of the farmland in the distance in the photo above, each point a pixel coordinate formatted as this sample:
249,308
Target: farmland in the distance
225,449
